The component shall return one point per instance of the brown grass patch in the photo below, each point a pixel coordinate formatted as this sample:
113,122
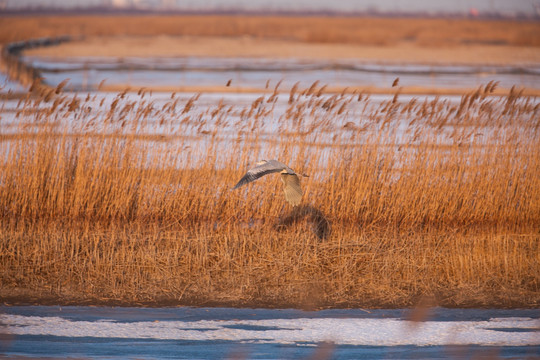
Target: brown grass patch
354,30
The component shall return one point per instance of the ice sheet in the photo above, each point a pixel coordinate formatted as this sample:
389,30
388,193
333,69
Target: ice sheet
515,331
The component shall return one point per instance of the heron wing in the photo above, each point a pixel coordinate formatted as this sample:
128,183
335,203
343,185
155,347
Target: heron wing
259,171
292,188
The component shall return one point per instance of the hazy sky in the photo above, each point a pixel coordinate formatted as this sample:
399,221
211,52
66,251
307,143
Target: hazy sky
508,7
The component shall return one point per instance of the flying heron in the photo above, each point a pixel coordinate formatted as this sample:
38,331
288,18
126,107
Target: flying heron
291,182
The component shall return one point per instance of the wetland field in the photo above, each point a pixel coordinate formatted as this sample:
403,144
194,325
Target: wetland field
119,192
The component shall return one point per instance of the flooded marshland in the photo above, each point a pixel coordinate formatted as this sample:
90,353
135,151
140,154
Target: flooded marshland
124,197
410,169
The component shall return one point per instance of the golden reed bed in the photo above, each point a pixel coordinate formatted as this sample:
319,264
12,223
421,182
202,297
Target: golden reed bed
86,220
316,29
422,199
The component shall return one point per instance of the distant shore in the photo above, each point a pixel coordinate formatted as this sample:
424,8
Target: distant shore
247,46
395,41
418,40
250,47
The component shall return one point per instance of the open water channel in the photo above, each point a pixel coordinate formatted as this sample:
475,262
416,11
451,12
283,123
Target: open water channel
86,73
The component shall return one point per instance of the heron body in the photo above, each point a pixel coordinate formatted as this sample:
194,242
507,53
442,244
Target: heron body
291,182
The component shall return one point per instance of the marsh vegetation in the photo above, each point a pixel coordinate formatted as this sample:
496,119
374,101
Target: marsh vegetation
127,199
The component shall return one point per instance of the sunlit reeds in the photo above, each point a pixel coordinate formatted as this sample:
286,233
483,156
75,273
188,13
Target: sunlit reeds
128,198
320,29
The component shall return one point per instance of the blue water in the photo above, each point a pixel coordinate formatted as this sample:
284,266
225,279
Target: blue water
226,333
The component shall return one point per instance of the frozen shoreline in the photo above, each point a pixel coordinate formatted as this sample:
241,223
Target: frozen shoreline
102,330
239,74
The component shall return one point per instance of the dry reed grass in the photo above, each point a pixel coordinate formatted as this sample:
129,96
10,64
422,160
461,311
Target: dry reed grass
357,30
423,198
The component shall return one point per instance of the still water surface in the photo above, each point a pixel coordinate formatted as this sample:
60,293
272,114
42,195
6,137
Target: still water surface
86,73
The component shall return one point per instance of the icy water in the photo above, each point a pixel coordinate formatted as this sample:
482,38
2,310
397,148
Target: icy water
86,73
7,85
221,333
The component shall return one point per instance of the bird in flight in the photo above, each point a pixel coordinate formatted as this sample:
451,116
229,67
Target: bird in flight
291,182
